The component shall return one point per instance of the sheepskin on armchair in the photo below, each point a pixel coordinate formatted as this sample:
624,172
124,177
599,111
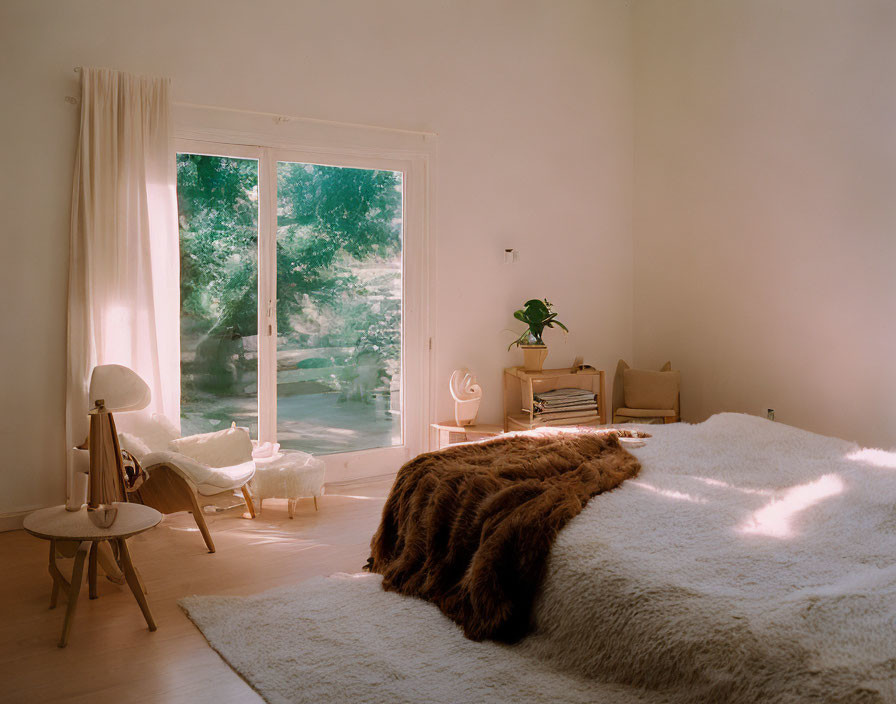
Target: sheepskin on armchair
182,471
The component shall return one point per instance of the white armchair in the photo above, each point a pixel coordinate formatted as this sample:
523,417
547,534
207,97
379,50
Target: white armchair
181,471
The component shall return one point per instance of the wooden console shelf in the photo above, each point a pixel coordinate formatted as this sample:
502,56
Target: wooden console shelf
521,385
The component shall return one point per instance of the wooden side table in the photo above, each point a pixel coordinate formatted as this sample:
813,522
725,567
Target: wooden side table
521,385
57,523
450,433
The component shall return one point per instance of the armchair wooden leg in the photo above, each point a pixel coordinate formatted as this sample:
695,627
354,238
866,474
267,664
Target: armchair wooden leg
291,507
196,511
203,528
248,497
315,502
168,492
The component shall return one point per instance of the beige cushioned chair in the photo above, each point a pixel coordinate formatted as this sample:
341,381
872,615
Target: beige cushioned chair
646,396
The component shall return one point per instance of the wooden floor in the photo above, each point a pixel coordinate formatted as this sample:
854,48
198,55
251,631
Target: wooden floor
112,657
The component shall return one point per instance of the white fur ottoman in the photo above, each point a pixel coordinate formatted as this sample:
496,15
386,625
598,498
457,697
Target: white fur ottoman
291,475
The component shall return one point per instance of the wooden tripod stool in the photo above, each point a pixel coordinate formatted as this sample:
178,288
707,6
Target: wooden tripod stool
58,524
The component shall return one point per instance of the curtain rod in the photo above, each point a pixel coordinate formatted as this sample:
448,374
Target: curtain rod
280,118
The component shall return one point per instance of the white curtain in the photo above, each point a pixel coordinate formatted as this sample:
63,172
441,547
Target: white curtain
123,289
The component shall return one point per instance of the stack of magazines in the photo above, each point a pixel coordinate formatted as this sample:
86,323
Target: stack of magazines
565,407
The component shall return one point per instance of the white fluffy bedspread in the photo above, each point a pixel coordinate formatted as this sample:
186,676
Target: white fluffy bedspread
749,562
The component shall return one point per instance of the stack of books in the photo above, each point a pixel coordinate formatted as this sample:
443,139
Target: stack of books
565,407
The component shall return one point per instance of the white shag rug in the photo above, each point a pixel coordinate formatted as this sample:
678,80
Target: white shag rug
343,639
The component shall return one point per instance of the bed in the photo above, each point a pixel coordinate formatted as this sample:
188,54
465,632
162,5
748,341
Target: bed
745,562
748,562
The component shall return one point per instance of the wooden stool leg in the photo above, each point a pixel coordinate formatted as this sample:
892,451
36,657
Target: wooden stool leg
74,591
134,582
105,558
54,595
91,570
140,580
248,497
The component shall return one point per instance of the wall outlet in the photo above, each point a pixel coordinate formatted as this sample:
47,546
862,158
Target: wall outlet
770,414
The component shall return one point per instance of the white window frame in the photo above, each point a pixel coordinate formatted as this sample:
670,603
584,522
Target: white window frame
417,284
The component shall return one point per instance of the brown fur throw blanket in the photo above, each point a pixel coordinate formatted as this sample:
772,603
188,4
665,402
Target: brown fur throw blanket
469,527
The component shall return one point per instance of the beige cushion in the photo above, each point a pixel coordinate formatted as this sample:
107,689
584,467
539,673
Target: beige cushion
643,388
223,448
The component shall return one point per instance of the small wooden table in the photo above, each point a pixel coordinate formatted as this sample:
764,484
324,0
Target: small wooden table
450,433
521,385
57,523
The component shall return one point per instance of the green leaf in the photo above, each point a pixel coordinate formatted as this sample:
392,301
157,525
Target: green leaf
518,341
537,308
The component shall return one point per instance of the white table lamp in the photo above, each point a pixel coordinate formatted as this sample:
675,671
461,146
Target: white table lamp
113,387
119,388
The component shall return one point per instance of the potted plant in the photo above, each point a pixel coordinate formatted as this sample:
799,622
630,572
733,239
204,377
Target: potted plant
537,315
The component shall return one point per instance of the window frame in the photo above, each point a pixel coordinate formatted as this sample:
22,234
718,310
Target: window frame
417,285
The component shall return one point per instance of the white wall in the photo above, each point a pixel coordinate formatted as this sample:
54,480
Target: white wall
531,99
765,207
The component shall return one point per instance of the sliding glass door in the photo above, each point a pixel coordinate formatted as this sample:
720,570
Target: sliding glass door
293,299
338,307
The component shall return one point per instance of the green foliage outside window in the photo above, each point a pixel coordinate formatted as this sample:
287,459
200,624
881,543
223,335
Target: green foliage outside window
338,241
